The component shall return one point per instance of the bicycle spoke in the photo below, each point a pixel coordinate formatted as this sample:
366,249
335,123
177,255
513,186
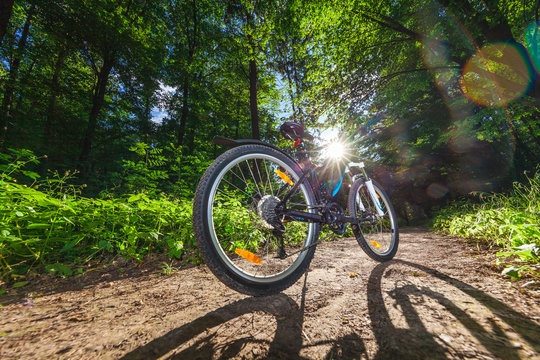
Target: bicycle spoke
259,173
238,188
243,177
241,203
269,179
254,180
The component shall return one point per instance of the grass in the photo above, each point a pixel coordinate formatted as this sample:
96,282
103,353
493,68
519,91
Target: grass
510,221
46,225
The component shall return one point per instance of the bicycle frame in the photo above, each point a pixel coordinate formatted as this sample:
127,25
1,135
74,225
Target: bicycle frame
279,215
310,173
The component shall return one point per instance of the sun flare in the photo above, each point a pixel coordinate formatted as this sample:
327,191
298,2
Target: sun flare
335,150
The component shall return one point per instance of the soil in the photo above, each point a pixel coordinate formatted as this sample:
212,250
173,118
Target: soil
439,298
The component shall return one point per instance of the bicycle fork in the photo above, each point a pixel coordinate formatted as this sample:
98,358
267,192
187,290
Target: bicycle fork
371,191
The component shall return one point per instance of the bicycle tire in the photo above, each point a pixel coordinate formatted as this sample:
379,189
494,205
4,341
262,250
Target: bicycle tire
208,204
383,231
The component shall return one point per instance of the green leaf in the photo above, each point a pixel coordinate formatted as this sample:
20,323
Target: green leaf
20,284
59,269
19,214
71,244
105,245
2,292
526,252
512,272
37,226
31,174
133,198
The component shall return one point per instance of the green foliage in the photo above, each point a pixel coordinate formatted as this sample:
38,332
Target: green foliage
96,73
156,171
510,221
167,269
20,284
49,226
47,229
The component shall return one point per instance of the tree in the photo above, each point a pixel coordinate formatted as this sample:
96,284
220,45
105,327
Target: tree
6,7
7,101
406,59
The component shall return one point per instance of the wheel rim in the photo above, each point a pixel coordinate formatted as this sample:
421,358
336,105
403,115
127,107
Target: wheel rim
240,213
379,237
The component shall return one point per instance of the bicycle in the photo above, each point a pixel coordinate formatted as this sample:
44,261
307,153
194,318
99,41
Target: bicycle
258,212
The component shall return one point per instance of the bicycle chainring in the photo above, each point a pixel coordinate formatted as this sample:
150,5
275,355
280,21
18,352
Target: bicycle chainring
333,213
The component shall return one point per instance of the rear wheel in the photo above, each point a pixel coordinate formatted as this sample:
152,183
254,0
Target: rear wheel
236,226
377,234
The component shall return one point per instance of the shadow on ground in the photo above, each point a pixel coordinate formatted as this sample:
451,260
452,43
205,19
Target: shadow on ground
288,340
417,342
119,269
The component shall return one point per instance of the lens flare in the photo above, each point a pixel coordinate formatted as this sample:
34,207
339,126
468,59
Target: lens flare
335,150
436,190
532,44
495,75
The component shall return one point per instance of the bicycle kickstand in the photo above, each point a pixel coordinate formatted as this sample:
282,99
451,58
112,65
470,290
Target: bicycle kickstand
278,232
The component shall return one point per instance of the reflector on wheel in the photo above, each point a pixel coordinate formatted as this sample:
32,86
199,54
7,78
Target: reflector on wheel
249,256
284,177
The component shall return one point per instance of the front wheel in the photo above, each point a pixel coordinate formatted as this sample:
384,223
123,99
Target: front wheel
377,234
239,234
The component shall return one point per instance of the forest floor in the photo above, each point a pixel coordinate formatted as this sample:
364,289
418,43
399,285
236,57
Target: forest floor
439,298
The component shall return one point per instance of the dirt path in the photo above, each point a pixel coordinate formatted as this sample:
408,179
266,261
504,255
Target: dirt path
438,299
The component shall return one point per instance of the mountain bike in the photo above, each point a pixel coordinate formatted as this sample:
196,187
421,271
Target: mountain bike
258,211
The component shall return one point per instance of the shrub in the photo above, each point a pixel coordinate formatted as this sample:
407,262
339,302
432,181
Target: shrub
510,221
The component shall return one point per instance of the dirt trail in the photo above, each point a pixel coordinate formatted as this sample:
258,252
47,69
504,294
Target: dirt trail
438,299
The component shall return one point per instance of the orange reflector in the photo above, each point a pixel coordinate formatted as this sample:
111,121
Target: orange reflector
376,244
284,177
249,256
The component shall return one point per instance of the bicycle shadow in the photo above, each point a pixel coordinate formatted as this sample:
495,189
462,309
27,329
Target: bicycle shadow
418,342
286,343
199,339
276,306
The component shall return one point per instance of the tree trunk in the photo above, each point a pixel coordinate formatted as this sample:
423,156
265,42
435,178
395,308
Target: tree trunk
253,106
291,90
6,6
190,138
185,113
523,155
5,114
192,44
23,86
237,125
98,99
145,126
51,121
297,84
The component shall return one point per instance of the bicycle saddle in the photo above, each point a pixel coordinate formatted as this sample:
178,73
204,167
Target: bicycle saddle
294,131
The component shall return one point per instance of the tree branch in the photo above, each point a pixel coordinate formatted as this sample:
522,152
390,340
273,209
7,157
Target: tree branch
391,24
373,85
